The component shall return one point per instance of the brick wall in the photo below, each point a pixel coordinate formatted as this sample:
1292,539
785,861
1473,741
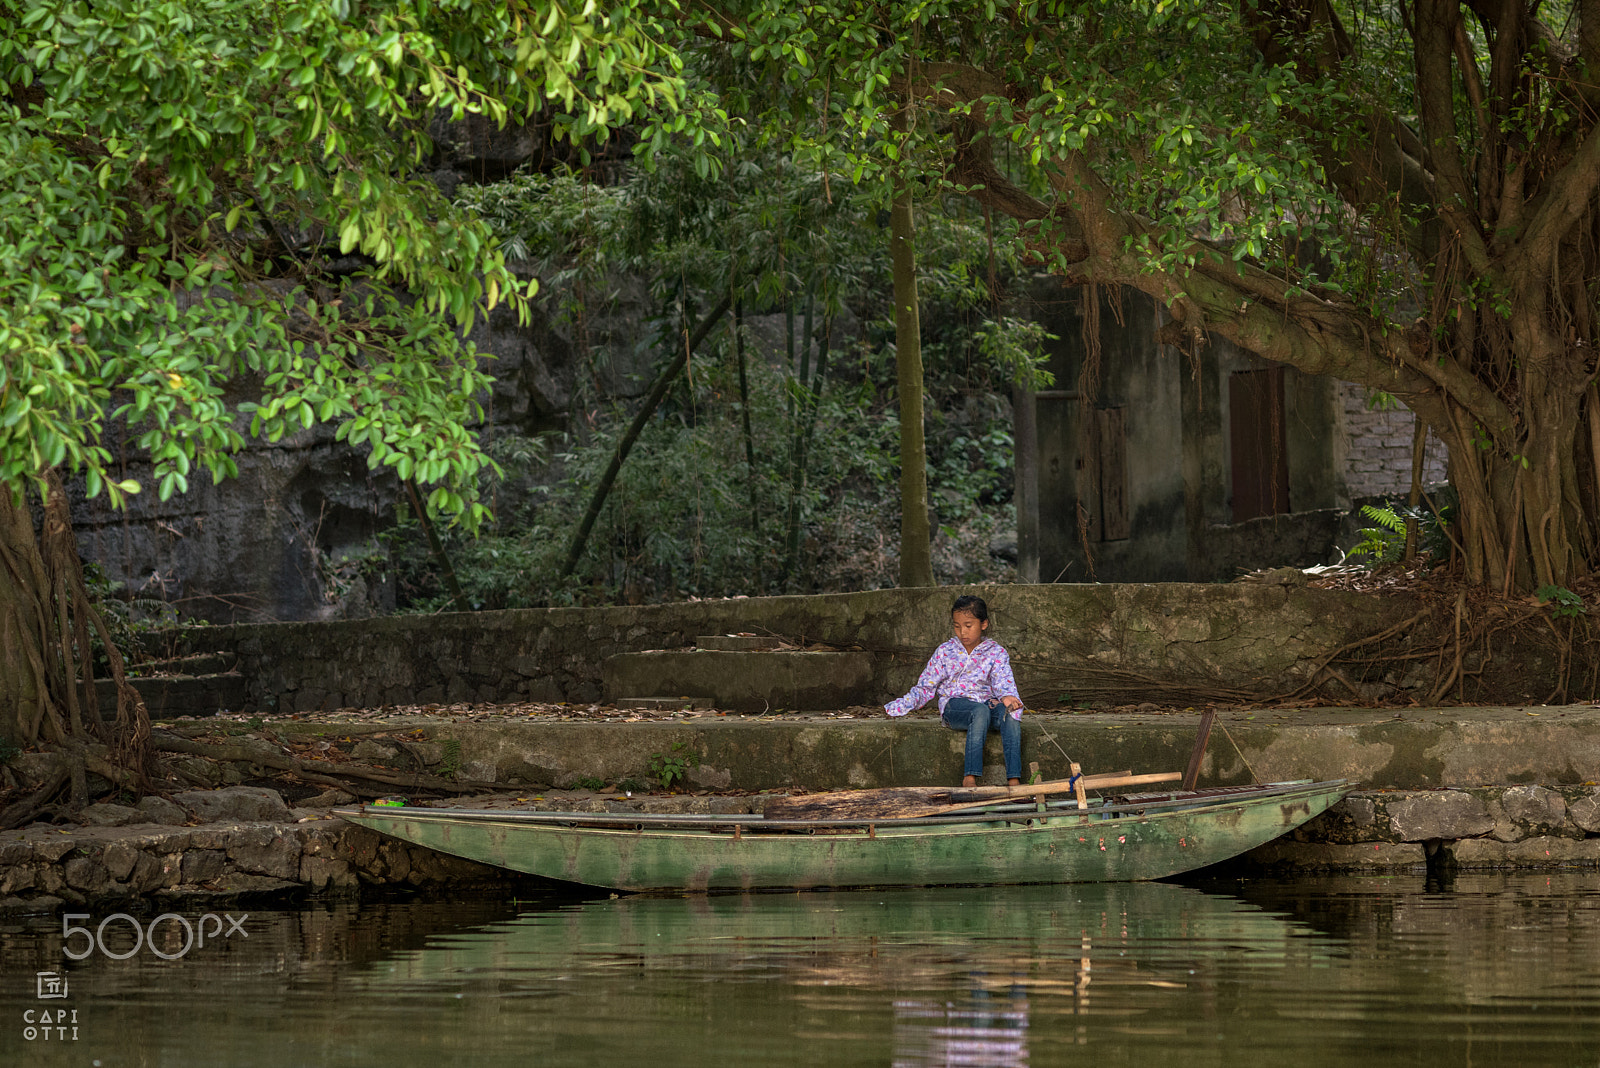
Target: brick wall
1380,448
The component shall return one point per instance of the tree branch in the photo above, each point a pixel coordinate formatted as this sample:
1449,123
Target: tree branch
324,771
1434,46
1569,193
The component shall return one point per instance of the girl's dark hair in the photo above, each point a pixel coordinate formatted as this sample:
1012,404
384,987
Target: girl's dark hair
975,605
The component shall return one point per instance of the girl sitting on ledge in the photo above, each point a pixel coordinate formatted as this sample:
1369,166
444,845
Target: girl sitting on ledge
971,675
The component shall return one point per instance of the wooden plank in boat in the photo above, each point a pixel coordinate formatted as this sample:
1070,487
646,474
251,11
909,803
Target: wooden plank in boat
903,801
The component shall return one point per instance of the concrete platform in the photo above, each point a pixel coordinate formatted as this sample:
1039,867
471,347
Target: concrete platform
1379,748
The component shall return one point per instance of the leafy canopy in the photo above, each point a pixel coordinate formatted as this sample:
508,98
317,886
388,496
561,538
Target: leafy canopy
216,208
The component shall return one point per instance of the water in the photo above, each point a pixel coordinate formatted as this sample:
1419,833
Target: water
1368,971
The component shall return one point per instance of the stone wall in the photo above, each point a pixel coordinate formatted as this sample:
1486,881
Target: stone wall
44,869
251,846
1132,642
1482,828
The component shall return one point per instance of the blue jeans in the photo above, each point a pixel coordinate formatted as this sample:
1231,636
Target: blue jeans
978,719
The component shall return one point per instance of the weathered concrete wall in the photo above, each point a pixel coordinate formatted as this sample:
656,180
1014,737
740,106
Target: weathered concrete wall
1175,457
1455,749
1067,642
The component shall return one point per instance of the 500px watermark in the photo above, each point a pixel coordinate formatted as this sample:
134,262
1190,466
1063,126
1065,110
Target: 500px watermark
194,934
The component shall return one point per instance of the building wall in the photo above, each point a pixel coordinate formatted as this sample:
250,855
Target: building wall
1169,411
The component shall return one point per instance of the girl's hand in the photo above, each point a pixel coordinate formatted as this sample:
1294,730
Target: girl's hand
1011,703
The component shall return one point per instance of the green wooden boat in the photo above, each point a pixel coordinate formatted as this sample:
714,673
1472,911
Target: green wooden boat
1134,837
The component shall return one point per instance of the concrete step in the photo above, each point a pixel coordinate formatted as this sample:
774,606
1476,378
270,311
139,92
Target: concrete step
779,680
169,696
739,643
194,664
663,704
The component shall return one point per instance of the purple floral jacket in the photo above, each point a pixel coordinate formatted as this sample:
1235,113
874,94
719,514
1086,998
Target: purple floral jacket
983,675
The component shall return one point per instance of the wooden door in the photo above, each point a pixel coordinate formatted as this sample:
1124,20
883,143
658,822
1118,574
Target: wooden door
1259,443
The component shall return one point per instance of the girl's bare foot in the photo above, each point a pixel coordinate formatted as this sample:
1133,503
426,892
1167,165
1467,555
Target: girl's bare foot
1013,782
970,780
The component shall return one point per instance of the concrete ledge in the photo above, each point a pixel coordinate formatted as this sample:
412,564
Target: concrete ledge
1423,750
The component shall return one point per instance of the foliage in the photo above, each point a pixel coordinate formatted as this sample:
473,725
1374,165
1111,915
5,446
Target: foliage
451,762
671,768
678,525
682,520
1564,604
1401,196
1386,542
221,208
128,615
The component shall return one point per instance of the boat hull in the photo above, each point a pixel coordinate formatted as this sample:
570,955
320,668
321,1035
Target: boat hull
1058,845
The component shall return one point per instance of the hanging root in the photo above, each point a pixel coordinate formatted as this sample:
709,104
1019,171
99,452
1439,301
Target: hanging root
1458,629
29,808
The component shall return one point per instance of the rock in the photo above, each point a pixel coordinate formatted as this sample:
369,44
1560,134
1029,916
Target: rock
279,857
120,859
198,768
33,768
1535,807
242,803
1447,814
1505,828
44,903
322,872
709,778
1369,856
1360,811
203,865
160,810
328,799
1585,812
251,885
17,877
1539,852
86,874
151,873
373,752
105,814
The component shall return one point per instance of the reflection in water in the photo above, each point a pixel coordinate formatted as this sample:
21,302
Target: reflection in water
977,1032
1315,972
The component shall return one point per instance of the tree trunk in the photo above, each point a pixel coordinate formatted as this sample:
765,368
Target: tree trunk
47,690
25,671
749,436
658,391
916,557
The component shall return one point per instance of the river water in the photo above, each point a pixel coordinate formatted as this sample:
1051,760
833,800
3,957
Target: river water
1339,971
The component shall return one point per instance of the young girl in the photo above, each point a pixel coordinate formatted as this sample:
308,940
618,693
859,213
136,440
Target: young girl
971,675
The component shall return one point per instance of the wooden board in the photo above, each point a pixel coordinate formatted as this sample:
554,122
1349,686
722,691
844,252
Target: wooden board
1028,793
902,801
